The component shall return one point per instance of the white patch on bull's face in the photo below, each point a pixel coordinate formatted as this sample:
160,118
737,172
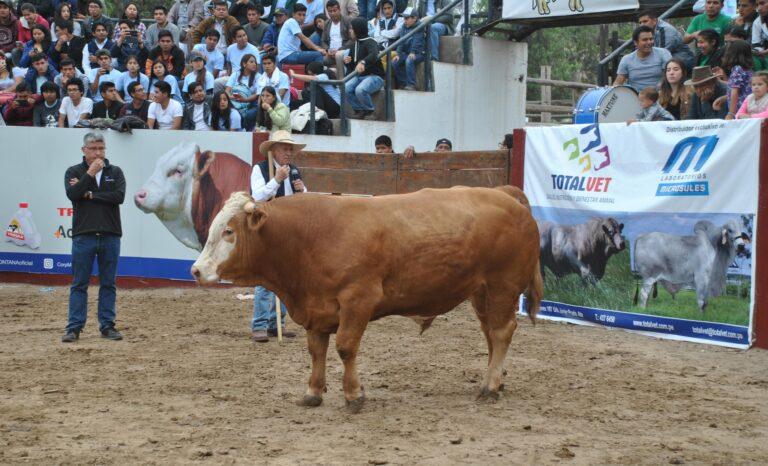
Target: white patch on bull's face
732,232
221,240
168,193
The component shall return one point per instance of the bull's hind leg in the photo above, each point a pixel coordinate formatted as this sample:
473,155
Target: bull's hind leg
351,328
498,321
478,303
356,308
317,343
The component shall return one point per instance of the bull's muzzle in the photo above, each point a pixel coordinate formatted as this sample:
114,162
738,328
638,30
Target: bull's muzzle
140,198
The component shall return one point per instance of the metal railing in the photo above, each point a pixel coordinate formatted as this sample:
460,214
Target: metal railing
422,27
602,72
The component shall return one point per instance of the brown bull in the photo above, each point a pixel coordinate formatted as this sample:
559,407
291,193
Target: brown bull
339,263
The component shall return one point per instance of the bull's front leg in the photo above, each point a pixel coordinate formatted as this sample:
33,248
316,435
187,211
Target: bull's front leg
586,274
317,343
350,332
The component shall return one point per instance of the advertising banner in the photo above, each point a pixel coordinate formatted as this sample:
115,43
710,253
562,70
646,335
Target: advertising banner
648,227
176,182
520,9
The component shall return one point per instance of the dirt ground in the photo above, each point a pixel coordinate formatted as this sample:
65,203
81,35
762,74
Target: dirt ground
186,385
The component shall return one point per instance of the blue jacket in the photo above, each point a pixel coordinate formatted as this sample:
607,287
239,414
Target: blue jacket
270,37
31,76
26,53
414,45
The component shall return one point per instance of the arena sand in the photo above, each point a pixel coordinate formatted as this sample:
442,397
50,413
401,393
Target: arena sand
186,385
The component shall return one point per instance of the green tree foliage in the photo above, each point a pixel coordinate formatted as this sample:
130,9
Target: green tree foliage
571,52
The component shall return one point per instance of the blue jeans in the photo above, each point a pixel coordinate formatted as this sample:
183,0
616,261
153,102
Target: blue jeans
106,250
303,58
264,317
249,117
359,91
435,31
405,69
367,9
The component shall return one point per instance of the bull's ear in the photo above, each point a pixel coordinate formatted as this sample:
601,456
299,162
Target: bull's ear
621,227
203,161
256,215
606,230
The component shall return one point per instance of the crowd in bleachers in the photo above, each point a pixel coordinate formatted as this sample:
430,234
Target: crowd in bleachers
205,65
724,78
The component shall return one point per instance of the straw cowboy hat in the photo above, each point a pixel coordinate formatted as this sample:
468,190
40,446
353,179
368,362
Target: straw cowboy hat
280,137
700,75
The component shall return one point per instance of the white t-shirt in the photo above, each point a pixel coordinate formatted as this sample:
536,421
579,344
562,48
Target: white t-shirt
235,55
198,118
335,35
73,112
192,77
164,118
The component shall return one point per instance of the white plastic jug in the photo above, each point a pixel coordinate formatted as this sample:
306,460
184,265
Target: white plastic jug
22,230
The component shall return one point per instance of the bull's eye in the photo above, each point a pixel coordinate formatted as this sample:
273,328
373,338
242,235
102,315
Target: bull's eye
227,232
175,172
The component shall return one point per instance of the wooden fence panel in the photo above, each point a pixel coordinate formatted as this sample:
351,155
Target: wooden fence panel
377,174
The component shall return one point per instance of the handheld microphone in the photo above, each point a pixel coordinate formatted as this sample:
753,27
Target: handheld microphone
294,175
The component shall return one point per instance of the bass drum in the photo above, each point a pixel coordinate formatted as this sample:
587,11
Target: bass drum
607,105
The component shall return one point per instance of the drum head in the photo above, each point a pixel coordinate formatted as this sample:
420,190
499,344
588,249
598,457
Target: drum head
618,105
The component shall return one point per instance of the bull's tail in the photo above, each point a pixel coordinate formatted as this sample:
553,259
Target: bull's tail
655,290
535,292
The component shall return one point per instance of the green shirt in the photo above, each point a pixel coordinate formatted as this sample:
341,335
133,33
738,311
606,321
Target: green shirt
701,22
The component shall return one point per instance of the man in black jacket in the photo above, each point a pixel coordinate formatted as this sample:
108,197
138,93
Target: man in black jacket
96,190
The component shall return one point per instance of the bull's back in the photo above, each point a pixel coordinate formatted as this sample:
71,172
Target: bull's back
429,248
667,256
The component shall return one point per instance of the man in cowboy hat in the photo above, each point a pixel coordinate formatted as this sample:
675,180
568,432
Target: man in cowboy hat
284,181
707,88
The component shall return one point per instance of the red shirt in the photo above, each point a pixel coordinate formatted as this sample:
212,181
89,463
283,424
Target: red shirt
25,34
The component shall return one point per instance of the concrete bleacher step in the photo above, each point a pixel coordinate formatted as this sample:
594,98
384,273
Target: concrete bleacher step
451,51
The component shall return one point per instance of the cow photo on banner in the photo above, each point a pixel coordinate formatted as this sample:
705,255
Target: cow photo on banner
517,9
642,227
176,183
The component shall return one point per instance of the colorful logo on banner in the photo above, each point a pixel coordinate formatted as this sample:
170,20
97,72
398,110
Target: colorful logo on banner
593,157
682,174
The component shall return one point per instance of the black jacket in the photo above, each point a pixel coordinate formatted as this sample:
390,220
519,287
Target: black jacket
366,50
102,213
100,110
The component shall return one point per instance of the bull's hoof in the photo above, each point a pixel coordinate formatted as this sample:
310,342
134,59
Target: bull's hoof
354,406
486,394
310,401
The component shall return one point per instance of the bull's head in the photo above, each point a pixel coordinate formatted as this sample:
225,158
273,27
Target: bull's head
168,192
612,230
226,252
732,236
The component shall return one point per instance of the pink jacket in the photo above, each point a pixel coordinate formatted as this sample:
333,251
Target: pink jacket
742,113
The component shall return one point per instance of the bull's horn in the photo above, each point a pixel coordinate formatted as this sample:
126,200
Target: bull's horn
725,236
250,207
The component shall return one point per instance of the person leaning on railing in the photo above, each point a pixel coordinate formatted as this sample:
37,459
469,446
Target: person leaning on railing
409,53
328,97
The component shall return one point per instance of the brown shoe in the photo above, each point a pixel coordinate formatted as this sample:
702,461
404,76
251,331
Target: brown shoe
286,334
259,336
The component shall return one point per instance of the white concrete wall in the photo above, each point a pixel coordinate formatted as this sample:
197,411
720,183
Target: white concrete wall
473,106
